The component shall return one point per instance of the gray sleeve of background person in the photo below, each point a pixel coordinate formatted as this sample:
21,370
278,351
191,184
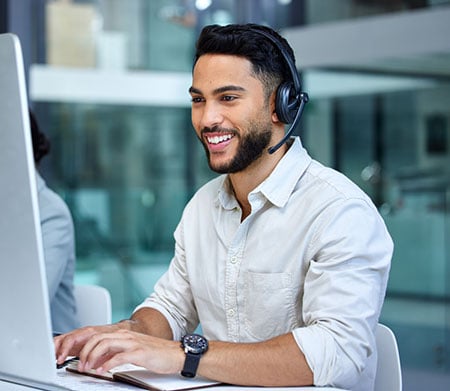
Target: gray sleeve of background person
344,291
57,236
172,294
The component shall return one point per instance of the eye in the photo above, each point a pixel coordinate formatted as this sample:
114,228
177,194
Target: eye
228,98
197,99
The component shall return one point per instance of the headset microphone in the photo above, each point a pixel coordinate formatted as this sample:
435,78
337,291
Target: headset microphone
303,97
290,100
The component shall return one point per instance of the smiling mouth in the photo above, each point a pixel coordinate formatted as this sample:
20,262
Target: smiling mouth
218,139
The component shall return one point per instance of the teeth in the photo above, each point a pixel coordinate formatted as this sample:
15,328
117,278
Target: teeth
219,139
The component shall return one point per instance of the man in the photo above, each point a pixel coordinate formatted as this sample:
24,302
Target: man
282,261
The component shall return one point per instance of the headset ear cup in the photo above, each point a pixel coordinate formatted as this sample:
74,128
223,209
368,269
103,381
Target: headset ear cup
286,103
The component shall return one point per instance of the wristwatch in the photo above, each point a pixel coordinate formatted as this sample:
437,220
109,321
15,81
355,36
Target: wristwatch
194,345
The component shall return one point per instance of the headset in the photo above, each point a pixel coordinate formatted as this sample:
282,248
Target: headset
290,100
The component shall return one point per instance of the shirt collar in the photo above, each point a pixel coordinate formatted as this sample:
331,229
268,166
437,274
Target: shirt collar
225,194
279,185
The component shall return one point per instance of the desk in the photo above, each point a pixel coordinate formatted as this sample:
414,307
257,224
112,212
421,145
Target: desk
5,386
88,383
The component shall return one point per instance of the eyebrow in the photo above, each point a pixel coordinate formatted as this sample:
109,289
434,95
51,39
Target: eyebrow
219,90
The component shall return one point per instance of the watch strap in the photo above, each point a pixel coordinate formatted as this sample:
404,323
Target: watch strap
190,364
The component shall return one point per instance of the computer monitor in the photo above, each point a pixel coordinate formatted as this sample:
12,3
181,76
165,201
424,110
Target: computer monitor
27,352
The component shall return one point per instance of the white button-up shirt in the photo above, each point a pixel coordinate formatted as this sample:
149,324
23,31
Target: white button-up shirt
312,258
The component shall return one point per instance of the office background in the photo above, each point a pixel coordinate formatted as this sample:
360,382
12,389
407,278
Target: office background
108,81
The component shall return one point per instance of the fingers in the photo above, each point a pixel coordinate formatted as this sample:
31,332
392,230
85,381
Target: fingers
70,344
102,347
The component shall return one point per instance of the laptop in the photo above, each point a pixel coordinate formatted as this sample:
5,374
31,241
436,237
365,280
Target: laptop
26,343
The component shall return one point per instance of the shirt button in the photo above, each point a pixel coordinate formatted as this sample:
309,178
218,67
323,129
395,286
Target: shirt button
231,312
233,260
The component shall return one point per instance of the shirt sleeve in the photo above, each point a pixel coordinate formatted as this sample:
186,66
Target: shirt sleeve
57,238
172,295
344,291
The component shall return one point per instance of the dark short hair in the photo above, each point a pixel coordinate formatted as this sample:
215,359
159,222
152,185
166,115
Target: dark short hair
244,40
41,144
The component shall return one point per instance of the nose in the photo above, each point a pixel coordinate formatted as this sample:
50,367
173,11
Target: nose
209,115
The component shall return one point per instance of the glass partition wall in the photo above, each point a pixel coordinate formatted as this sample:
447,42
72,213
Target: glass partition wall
396,147
126,173
127,166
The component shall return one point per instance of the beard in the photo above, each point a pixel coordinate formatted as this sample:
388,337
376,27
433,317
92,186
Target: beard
251,147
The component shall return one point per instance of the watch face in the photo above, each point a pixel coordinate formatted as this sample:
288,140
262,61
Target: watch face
195,343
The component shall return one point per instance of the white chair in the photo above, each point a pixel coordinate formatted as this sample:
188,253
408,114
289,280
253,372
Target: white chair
93,305
389,371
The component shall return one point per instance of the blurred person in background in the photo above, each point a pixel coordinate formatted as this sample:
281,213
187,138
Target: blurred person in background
58,241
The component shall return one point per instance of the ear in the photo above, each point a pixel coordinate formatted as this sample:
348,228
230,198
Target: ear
275,118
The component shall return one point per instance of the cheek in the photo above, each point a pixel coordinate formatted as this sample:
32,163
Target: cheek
195,121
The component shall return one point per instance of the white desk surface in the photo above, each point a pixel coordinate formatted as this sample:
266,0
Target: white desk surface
88,383
5,386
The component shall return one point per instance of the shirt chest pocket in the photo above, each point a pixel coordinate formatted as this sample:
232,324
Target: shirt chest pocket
270,304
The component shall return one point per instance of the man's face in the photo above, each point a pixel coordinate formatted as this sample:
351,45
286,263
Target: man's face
230,112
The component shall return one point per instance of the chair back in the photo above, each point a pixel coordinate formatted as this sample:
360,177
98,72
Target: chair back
93,305
389,371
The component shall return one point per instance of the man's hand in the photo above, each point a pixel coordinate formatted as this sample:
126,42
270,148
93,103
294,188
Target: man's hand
107,350
144,340
70,344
